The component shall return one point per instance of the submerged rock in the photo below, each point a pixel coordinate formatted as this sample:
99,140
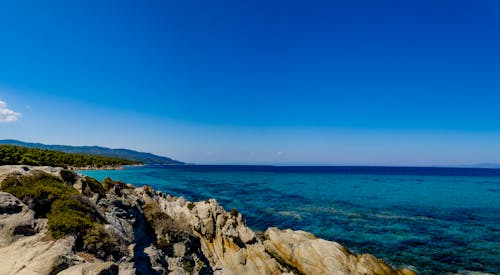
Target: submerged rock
140,231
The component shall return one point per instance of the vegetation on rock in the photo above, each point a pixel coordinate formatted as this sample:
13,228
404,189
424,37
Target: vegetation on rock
167,230
38,190
66,210
69,216
93,186
99,242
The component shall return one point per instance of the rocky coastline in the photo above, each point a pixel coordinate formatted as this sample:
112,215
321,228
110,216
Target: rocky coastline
143,231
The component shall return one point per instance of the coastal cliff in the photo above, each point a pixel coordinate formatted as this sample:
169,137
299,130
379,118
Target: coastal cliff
81,226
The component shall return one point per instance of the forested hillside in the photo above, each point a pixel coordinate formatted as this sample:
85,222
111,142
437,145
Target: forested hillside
10,154
146,158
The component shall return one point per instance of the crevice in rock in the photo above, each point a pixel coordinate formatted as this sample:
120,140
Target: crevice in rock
25,230
143,239
290,268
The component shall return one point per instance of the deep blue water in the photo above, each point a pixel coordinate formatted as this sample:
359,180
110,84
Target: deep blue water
436,220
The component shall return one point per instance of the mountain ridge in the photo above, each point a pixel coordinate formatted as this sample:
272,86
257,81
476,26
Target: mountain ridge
144,157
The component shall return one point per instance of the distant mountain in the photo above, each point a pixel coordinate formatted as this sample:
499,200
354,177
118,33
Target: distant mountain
146,158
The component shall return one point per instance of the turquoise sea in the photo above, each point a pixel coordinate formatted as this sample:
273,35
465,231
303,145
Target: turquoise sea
436,220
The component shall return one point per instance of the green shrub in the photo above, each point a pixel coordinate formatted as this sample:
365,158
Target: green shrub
163,224
69,216
65,208
99,242
158,220
108,183
68,176
95,186
38,190
12,180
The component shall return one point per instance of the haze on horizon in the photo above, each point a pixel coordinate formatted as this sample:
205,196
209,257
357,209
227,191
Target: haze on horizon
257,82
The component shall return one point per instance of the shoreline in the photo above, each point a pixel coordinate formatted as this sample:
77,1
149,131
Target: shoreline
187,236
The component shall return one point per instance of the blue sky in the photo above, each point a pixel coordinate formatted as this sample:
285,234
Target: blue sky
315,82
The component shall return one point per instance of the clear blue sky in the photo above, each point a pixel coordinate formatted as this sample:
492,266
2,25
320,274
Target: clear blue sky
332,82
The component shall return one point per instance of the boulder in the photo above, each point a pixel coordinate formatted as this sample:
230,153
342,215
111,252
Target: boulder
16,219
309,255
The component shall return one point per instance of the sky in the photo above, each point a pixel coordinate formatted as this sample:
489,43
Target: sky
257,82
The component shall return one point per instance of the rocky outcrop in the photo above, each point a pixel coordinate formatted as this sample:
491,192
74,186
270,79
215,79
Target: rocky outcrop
309,255
142,231
24,246
227,243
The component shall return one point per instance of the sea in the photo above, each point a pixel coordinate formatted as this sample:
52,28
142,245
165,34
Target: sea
433,220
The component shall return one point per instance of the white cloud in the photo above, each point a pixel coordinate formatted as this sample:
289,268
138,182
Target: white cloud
6,114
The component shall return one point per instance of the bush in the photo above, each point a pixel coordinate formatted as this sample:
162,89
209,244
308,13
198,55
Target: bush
99,242
163,224
108,183
38,190
66,210
68,176
95,186
69,216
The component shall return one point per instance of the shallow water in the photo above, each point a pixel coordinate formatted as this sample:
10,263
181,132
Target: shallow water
435,220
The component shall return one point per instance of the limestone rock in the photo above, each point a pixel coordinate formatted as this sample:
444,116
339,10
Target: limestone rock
36,255
227,243
310,255
105,268
16,219
24,250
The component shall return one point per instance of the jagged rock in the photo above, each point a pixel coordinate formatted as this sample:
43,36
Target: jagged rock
227,243
10,204
36,255
16,219
309,255
22,249
157,259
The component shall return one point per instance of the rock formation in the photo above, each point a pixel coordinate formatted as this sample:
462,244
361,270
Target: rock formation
142,231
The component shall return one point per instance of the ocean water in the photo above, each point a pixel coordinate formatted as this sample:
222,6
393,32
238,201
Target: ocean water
435,220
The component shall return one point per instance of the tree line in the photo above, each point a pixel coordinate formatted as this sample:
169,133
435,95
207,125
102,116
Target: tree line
10,154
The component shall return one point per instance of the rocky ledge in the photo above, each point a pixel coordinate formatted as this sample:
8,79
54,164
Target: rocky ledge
142,231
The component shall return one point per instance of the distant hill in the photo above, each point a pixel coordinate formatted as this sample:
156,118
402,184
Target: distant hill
146,158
